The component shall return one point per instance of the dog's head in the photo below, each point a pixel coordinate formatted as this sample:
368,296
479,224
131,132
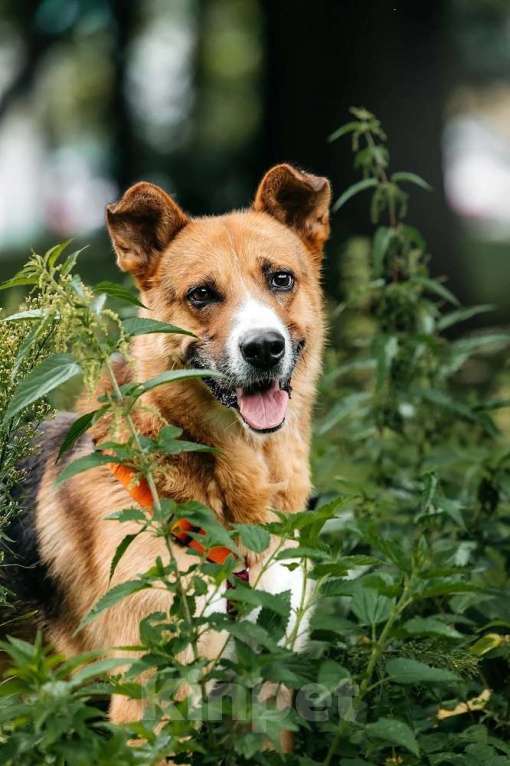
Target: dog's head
247,284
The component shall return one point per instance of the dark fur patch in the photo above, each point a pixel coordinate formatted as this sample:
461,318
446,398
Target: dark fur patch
26,575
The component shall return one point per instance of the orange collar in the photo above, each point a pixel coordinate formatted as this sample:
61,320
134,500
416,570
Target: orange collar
139,490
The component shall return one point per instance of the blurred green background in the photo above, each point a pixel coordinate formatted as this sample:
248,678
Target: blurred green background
202,96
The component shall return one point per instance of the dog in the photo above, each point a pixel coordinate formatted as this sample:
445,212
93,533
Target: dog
247,284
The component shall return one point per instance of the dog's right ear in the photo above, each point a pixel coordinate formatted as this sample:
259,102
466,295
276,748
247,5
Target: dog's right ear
141,225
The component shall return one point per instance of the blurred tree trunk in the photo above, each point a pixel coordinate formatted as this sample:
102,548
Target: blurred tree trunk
391,58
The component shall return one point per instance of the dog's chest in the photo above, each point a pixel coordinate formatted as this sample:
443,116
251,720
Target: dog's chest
278,577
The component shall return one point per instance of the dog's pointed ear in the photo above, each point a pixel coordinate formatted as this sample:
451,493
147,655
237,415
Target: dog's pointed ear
299,200
141,225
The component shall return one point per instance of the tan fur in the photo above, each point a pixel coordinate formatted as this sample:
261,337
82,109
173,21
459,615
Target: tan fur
250,475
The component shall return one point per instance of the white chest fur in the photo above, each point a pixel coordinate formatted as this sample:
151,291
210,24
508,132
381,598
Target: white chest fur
278,578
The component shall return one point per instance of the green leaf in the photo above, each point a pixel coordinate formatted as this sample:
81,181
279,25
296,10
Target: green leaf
20,280
50,374
127,514
407,671
395,732
119,292
36,332
347,406
94,669
411,178
349,127
331,673
201,516
278,603
112,597
371,607
488,643
77,429
120,551
385,351
85,464
479,342
54,253
461,315
274,623
31,314
142,326
430,626
433,286
170,443
170,376
253,537
382,239
365,183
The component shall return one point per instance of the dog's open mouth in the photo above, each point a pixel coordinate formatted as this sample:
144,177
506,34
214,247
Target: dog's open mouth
263,407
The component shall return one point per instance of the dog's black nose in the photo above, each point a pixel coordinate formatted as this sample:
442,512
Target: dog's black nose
263,350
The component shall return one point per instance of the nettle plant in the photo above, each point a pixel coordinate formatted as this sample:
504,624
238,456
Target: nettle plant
407,659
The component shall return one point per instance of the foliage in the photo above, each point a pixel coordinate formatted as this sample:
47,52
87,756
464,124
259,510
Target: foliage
407,545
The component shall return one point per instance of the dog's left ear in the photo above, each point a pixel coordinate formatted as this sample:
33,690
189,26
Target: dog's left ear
299,200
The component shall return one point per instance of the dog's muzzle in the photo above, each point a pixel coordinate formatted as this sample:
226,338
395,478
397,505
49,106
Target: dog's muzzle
261,393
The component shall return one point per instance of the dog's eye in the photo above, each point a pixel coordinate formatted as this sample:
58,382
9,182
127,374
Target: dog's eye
281,280
202,296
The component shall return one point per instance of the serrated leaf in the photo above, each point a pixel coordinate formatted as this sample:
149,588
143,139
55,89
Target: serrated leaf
430,626
331,673
119,292
273,622
112,597
142,326
370,607
127,514
407,671
394,731
46,377
251,597
169,442
77,429
170,376
253,537
412,178
365,183
85,464
303,552
120,551
94,669
202,517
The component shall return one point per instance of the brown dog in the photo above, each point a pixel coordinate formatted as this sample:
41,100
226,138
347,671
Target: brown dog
247,284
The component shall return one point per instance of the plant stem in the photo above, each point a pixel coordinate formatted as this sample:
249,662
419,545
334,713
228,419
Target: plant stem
377,650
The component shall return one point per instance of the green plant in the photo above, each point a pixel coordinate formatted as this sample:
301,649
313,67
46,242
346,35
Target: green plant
408,544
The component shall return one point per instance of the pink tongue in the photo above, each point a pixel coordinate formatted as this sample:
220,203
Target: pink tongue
264,409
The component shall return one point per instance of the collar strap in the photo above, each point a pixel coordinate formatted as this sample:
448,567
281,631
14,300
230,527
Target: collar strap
139,490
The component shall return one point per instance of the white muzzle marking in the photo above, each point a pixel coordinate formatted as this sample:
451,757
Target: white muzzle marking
255,315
